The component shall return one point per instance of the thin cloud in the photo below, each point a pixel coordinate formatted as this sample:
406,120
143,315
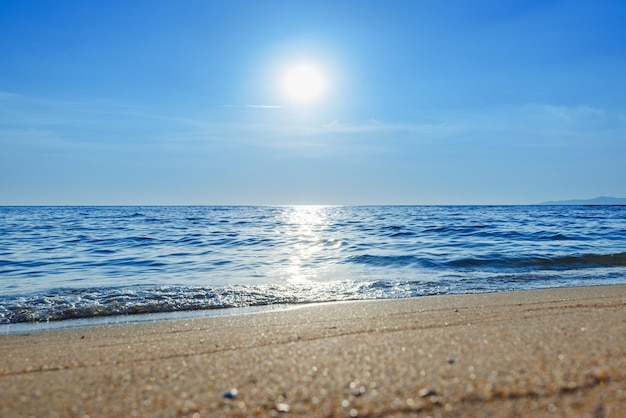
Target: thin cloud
251,106
262,106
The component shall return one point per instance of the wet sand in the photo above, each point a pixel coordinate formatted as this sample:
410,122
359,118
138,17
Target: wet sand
555,352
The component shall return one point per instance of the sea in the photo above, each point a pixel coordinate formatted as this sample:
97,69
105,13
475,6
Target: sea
63,267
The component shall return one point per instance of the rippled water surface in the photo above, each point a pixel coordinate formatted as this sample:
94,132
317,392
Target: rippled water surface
72,262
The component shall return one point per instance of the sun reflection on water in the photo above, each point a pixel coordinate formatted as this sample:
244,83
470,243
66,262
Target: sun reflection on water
305,225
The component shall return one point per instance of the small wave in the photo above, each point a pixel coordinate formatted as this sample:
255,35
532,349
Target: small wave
495,262
63,304
585,261
403,234
462,230
76,303
391,260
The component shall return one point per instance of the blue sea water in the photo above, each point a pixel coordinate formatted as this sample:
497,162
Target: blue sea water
61,263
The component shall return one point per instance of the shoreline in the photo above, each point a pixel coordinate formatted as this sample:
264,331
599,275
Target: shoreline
156,317
136,319
548,352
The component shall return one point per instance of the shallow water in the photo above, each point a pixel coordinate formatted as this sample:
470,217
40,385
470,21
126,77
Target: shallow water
59,263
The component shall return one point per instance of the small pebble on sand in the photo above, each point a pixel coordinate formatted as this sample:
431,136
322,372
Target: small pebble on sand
426,392
231,394
282,407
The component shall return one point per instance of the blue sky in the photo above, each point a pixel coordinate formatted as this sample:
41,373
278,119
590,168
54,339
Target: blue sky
426,102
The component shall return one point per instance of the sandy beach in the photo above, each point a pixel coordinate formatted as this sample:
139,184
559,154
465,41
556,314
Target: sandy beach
555,352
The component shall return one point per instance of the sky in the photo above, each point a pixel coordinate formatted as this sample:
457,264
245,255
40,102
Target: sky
164,102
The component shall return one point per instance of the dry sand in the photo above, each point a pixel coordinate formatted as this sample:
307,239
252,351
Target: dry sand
558,352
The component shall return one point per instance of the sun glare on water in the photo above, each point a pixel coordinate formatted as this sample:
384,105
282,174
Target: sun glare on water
303,83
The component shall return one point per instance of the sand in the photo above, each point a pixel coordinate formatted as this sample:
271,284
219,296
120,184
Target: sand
555,352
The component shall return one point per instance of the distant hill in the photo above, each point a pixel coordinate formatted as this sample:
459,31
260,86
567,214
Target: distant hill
602,200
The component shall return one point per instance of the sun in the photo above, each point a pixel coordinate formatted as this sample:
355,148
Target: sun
303,83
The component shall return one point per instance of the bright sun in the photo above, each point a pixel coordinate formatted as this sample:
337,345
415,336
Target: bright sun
303,83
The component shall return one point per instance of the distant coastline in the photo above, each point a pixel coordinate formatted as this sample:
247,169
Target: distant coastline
598,201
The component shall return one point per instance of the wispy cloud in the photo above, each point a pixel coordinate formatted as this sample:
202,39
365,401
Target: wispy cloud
264,106
528,125
580,117
542,125
251,106
62,123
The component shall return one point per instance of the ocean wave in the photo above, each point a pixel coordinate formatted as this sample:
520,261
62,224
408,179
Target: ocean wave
569,262
392,260
68,303
74,303
496,261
